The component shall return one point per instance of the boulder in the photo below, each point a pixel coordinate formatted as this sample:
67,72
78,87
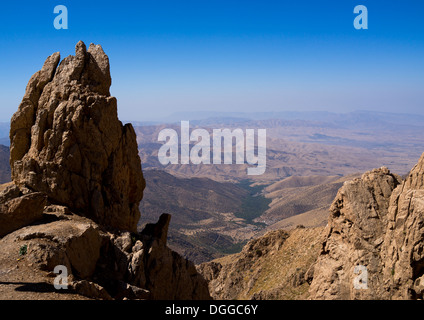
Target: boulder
71,241
376,227
18,210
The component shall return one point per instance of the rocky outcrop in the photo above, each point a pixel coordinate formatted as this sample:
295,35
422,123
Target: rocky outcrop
77,184
67,141
105,265
62,239
374,241
227,278
354,234
144,261
163,272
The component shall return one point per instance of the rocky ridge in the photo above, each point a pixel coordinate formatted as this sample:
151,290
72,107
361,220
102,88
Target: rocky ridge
77,184
376,222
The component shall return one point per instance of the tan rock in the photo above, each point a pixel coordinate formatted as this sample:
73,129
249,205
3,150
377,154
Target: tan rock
274,266
72,242
163,272
67,141
355,231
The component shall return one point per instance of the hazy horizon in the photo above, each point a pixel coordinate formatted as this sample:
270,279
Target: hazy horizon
289,114
309,115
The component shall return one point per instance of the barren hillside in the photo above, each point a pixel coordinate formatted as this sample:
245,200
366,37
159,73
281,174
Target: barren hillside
276,266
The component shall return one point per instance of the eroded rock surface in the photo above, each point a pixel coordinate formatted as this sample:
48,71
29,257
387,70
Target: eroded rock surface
18,210
403,248
67,141
355,232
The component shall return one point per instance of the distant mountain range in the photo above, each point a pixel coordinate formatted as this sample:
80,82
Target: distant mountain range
330,144
359,117
309,155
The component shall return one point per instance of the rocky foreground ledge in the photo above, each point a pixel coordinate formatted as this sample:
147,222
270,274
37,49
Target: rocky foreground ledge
77,185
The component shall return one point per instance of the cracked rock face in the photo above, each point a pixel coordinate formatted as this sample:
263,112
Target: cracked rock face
77,184
67,141
354,237
376,222
403,248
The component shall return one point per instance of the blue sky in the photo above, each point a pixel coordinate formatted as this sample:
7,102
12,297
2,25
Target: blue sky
170,56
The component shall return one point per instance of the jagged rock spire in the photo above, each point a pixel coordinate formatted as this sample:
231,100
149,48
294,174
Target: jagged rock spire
67,141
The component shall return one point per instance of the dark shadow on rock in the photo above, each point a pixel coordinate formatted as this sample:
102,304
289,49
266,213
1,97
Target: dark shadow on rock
47,218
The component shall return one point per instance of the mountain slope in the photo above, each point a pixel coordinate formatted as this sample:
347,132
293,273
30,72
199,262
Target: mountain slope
191,200
330,144
211,218
204,225
296,195
274,266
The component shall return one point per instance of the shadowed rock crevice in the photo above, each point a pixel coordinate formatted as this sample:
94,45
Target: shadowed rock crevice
77,185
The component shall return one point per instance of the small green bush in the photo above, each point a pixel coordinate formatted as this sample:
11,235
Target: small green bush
23,250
